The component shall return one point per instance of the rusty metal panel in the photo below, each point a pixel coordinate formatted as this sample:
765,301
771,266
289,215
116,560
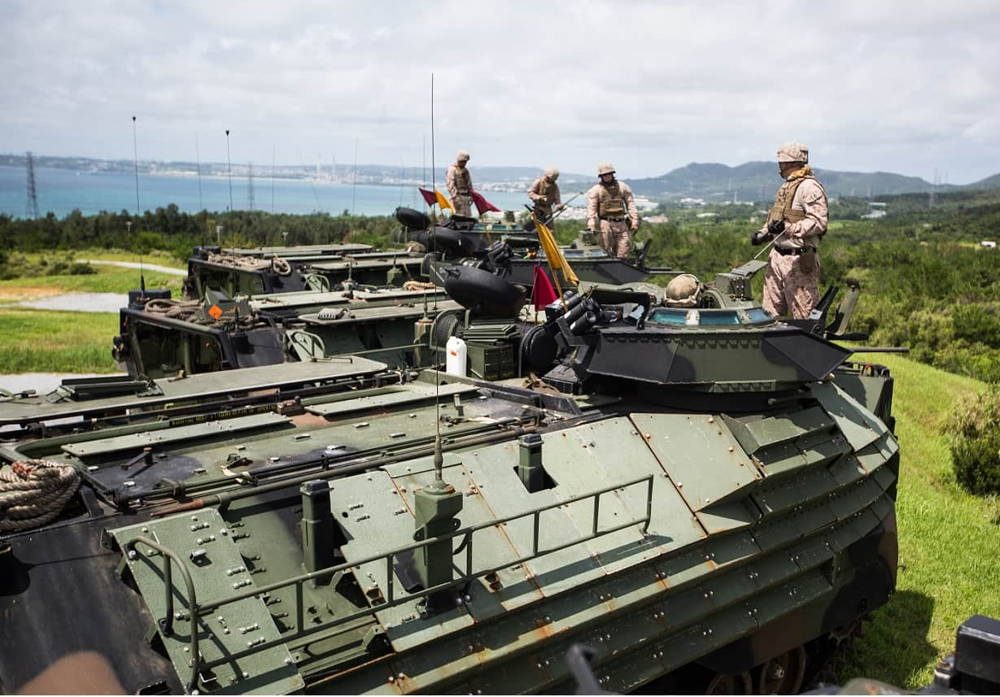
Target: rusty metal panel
858,425
376,514
786,427
593,456
178,434
782,494
395,396
204,536
727,517
704,460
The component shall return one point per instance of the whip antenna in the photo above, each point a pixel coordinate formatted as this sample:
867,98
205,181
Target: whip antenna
138,212
437,373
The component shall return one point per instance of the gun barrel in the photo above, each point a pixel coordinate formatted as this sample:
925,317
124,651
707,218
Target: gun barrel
878,349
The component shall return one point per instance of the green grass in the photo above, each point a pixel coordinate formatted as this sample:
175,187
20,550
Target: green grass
65,342
158,257
108,279
948,539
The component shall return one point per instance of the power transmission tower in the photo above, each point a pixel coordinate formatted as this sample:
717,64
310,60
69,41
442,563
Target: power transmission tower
250,197
32,204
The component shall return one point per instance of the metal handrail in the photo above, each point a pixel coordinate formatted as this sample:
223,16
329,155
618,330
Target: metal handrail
191,601
391,600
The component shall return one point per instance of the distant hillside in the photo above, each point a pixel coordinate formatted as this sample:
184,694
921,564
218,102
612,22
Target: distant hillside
988,183
751,181
757,181
366,174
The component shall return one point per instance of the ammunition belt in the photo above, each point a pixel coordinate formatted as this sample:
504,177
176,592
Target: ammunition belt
614,219
798,251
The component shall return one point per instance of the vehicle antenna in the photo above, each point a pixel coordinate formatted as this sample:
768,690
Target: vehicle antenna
135,162
437,373
138,211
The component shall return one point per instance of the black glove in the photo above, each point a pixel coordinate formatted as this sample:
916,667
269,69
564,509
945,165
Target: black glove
776,227
758,238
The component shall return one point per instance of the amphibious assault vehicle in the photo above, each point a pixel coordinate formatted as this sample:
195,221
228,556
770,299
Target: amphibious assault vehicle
267,270
703,496
160,337
466,241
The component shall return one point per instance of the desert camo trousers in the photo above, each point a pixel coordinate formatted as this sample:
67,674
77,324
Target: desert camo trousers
788,289
463,205
615,238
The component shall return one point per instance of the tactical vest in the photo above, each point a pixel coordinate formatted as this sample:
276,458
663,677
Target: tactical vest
463,181
610,201
782,208
547,189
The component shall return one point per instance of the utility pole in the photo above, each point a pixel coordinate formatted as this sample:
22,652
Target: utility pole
32,206
250,196
229,169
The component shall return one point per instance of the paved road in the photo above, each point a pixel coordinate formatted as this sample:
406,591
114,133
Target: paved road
135,265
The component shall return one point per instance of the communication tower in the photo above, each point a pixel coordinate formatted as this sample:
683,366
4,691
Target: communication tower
32,205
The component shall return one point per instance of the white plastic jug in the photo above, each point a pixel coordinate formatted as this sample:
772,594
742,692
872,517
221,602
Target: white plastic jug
457,357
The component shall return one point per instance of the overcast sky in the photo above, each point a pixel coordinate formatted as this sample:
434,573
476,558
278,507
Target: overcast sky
905,86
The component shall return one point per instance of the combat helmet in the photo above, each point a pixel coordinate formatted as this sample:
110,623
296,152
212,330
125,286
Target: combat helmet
605,168
682,291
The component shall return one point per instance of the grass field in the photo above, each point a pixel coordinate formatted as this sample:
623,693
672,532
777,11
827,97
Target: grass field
64,342
108,279
948,540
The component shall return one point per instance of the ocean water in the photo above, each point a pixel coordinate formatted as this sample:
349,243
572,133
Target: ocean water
61,191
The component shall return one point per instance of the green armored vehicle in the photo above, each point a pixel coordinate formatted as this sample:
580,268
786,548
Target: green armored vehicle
513,251
703,496
268,270
160,337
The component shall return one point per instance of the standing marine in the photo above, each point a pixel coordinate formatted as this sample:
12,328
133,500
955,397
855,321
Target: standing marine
544,192
796,223
611,210
459,183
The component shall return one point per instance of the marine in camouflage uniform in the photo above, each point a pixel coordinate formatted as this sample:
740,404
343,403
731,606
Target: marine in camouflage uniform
797,221
544,192
611,210
459,183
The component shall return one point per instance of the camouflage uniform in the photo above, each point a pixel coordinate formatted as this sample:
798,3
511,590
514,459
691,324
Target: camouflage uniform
545,193
791,281
459,183
611,209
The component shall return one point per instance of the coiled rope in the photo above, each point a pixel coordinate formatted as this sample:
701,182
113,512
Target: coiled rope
33,492
280,266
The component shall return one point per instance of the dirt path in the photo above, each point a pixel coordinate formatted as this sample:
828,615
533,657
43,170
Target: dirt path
135,265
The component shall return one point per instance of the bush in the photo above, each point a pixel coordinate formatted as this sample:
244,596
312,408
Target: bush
975,448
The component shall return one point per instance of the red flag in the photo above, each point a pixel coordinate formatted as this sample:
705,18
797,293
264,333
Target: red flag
429,196
542,292
482,205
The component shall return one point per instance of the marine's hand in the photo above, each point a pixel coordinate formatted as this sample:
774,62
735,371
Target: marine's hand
759,237
776,227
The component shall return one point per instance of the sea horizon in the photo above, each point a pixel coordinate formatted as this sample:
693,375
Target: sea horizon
60,192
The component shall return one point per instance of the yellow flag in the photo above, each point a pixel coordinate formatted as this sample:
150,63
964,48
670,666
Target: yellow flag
553,254
443,200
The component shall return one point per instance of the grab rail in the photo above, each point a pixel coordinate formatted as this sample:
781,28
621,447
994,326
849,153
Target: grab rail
299,629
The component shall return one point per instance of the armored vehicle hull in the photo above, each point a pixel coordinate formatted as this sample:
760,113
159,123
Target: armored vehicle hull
159,337
466,241
703,500
268,270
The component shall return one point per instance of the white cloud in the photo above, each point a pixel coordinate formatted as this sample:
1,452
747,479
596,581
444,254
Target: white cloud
902,85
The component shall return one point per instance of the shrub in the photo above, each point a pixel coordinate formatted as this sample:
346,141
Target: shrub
975,448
